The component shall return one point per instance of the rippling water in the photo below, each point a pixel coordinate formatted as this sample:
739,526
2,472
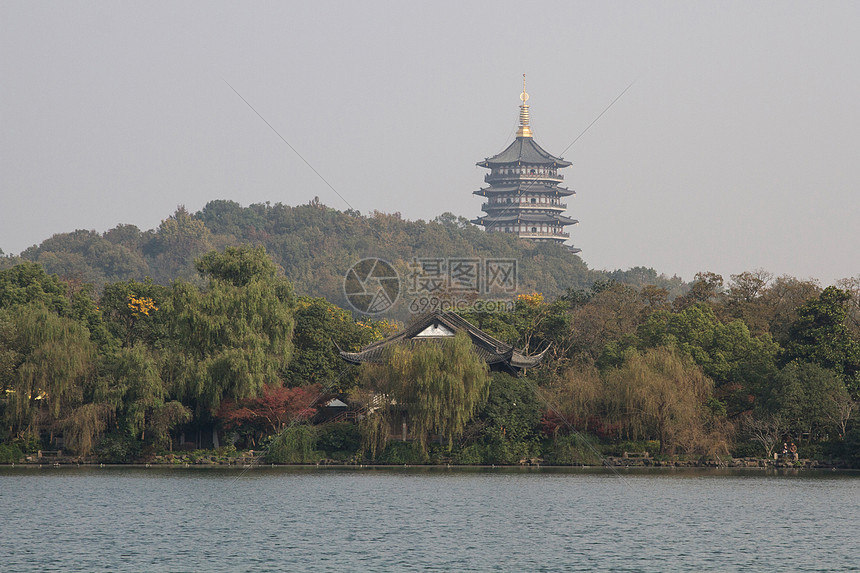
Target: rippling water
404,519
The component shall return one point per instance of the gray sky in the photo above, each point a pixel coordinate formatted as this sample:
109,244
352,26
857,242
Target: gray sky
736,148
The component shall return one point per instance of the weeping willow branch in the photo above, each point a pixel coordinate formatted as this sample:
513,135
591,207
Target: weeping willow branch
439,385
84,425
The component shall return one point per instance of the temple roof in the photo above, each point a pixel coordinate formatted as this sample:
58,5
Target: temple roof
439,325
524,150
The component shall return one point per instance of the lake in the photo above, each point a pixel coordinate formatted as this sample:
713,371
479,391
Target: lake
426,519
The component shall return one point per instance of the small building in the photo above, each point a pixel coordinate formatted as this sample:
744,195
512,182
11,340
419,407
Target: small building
523,196
438,325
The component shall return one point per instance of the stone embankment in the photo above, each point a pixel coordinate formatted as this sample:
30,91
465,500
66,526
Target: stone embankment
648,462
250,457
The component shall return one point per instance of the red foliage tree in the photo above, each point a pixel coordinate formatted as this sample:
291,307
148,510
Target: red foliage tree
269,413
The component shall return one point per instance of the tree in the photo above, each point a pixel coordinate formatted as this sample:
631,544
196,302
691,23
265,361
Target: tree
807,398
740,364
87,256
533,325
821,336
610,315
510,418
660,394
320,325
138,388
269,413
178,240
439,385
745,300
164,418
237,265
766,429
28,282
852,286
781,301
575,396
83,426
133,311
228,341
706,287
53,362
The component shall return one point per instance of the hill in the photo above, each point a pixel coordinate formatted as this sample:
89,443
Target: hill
314,245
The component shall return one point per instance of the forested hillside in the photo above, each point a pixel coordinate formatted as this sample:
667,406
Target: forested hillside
238,342
313,244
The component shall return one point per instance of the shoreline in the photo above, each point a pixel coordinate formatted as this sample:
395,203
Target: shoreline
741,464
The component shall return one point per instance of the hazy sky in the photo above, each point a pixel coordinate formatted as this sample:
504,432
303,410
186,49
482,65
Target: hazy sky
737,148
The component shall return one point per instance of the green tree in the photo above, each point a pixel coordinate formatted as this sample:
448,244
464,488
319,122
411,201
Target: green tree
613,313
228,341
320,325
439,385
821,336
139,390
130,321
28,282
53,363
660,394
179,239
706,287
237,265
510,418
740,364
807,398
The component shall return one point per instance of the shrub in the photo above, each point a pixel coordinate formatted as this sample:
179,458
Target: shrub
295,445
811,452
469,456
501,450
29,444
747,450
10,454
339,440
402,453
226,451
117,448
573,449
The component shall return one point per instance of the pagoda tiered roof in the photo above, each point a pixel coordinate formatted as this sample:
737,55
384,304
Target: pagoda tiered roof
526,187
526,151
439,325
524,217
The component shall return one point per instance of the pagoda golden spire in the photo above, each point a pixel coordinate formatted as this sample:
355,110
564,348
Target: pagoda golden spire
525,130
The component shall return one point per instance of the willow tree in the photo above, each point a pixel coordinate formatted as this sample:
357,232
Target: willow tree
660,394
437,385
138,391
56,361
83,426
227,341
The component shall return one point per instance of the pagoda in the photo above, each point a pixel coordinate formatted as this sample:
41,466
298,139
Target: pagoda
523,196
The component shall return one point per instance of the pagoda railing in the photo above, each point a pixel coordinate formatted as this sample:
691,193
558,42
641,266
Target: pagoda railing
489,177
530,234
500,228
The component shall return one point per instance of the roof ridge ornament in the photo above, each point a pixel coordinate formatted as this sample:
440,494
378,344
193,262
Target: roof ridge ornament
525,130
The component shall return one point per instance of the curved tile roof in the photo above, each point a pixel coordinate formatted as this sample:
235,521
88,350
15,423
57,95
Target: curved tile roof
524,150
492,350
526,187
